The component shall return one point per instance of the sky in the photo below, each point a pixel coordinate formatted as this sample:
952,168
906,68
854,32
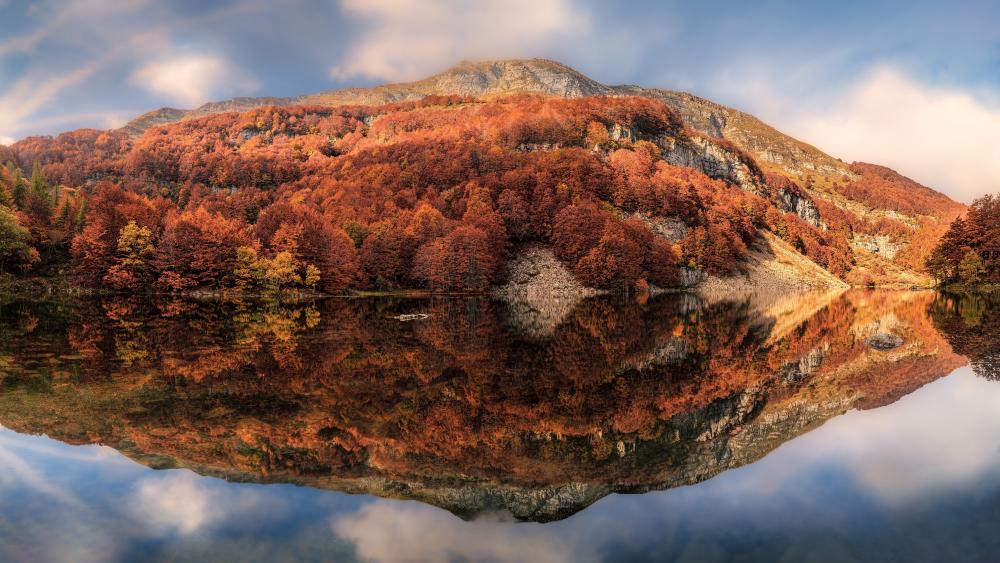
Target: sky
913,85
921,473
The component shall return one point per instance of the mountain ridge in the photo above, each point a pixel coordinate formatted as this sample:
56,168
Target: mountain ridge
866,224
807,165
505,77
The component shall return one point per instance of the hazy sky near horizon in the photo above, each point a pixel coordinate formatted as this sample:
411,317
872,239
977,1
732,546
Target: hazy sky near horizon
910,84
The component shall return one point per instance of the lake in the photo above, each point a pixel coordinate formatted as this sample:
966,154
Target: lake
838,426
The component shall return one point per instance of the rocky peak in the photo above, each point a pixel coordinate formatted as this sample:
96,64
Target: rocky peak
520,75
154,118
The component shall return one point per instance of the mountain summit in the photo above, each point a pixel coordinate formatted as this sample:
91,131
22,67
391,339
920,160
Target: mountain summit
870,193
488,172
493,78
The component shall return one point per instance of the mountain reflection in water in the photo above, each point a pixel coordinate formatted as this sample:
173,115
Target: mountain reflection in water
465,409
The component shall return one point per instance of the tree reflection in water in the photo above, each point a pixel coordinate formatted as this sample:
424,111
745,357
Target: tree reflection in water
460,409
971,323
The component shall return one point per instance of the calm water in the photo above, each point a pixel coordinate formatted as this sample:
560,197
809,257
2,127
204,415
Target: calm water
671,429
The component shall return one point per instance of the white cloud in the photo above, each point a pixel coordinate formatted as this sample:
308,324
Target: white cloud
182,502
949,428
939,438
61,15
193,80
16,470
31,93
396,532
176,502
4,140
408,39
945,138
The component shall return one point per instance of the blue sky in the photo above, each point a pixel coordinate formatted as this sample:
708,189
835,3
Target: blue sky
915,85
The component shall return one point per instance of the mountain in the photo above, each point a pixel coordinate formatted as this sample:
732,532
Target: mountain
541,76
698,191
823,176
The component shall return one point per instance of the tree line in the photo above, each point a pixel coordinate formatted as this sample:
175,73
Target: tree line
969,252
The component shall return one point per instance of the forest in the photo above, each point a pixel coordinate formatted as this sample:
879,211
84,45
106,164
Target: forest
434,194
969,252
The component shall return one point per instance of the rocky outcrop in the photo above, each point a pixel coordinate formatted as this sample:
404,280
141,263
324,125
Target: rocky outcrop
153,118
540,290
478,78
885,341
766,143
795,202
670,228
883,245
714,160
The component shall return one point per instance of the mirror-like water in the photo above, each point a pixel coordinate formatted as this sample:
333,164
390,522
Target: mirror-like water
826,427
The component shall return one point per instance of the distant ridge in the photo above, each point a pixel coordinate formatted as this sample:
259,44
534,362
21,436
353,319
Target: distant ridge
890,222
493,78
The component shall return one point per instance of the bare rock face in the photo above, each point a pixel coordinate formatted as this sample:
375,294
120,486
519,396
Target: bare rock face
540,290
794,203
153,118
715,161
879,244
670,228
885,341
749,133
690,277
474,78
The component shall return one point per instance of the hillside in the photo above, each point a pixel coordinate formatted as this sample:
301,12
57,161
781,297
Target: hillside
433,183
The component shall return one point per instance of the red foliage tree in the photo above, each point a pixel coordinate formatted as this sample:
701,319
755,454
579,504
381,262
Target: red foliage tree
462,259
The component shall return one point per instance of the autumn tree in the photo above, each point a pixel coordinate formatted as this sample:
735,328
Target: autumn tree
198,249
462,259
133,267
314,240
382,254
969,251
96,248
971,268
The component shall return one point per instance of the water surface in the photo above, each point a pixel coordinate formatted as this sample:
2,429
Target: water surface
605,430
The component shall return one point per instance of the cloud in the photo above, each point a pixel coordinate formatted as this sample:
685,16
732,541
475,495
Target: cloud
940,438
61,15
184,503
176,502
16,470
193,80
949,430
407,39
4,140
942,137
30,93
395,532
70,43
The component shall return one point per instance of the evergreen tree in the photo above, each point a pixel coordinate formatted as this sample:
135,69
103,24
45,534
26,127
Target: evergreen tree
971,269
19,189
6,196
15,247
40,188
